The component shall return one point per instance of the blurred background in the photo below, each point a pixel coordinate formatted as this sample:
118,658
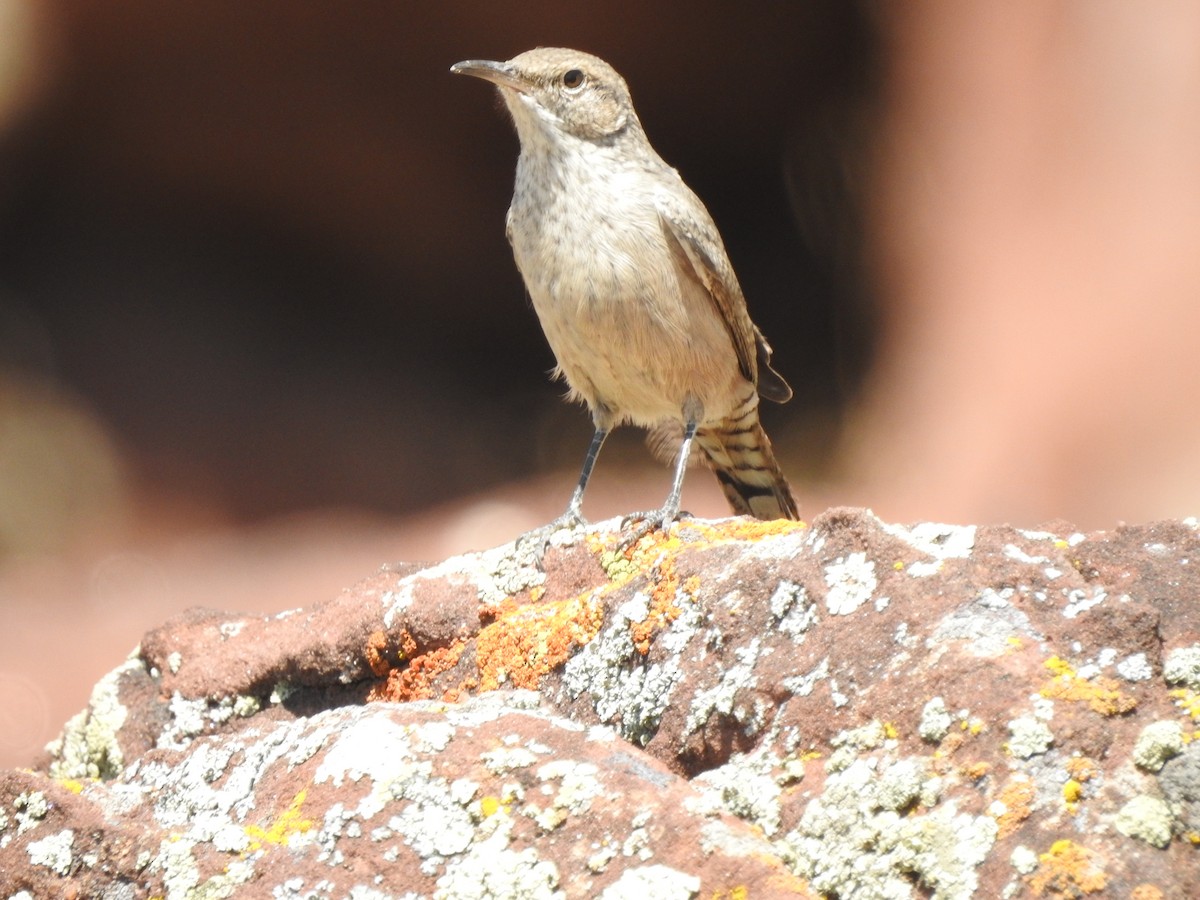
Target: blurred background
260,330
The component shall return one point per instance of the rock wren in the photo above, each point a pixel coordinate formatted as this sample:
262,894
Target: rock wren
631,282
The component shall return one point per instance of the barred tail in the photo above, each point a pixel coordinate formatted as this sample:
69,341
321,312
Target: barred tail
739,451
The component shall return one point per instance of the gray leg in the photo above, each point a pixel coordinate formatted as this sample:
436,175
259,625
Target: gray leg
572,517
574,511
670,509
661,519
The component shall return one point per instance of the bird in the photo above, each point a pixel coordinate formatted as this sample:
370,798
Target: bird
632,285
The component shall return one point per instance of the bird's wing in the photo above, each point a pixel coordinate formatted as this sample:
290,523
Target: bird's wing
698,249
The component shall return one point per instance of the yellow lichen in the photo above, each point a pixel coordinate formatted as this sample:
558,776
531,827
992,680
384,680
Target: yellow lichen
623,563
1102,695
1059,666
290,822
490,804
1072,792
1187,700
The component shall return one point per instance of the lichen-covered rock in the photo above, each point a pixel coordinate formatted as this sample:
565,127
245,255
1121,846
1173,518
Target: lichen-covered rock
737,709
493,797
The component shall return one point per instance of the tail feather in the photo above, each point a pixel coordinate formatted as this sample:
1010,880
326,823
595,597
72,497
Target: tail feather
739,452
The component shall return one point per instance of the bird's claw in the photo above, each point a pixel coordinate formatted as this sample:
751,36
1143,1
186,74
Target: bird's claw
636,526
540,537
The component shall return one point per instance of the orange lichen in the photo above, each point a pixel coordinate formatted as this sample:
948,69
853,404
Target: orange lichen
1015,805
1101,694
408,645
663,608
1146,892
521,640
527,642
376,653
948,747
950,744
1082,769
977,770
1067,870
415,681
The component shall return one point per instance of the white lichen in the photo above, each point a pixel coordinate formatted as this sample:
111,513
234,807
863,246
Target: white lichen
746,786
793,612
721,697
853,841
1028,737
88,746
1135,668
935,721
1158,742
53,852
851,580
657,881
1182,666
1147,819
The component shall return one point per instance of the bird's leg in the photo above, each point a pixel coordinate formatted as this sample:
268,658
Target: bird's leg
572,516
661,519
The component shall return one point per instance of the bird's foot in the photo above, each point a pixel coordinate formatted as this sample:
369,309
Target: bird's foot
539,538
636,526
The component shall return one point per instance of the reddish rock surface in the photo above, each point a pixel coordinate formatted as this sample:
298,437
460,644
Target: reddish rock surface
743,709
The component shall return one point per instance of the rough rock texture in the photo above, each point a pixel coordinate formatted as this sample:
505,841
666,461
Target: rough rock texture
742,709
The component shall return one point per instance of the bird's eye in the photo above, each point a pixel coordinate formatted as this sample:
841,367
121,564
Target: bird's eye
573,79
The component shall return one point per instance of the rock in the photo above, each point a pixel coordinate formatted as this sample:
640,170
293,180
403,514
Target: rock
850,708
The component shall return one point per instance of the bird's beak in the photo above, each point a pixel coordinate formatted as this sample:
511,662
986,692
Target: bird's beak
499,73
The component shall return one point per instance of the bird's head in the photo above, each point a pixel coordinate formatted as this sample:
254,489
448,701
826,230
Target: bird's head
557,91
